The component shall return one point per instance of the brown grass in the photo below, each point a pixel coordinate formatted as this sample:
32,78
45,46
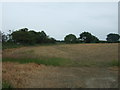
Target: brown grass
33,75
78,53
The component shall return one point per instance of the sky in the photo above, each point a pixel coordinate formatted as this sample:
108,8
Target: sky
59,19
0,16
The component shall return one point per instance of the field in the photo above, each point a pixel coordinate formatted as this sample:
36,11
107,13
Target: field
62,66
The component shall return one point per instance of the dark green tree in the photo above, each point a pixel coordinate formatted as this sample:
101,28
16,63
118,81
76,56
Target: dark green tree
24,36
33,36
95,39
21,36
51,40
113,37
24,29
87,37
0,36
71,38
42,37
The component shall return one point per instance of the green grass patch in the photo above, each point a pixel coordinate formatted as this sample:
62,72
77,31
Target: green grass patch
92,63
45,61
6,85
114,63
61,62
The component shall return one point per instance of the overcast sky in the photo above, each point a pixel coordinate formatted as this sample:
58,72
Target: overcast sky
59,19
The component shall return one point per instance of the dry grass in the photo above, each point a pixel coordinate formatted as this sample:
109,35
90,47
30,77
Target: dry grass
86,54
32,75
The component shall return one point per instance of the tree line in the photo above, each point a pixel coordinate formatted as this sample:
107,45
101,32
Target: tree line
26,36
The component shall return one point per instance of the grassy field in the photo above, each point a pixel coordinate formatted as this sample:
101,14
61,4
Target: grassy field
65,55
61,66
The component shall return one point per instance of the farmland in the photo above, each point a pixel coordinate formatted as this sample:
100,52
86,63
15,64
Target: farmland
62,66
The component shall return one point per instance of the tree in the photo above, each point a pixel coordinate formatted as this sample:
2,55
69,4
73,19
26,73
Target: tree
42,37
113,37
94,39
24,36
24,29
88,38
50,40
4,37
33,36
0,36
9,36
71,38
21,36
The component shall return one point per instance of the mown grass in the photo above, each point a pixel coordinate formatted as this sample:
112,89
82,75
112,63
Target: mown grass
46,61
